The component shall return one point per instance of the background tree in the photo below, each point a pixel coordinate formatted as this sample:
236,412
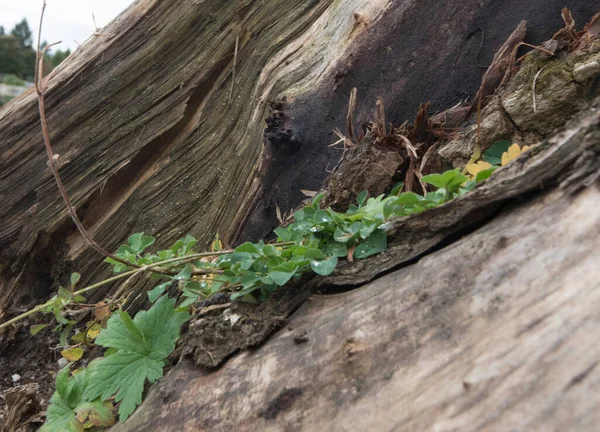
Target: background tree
23,33
16,59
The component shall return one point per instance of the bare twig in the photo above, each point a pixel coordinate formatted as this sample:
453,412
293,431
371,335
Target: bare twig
538,48
40,87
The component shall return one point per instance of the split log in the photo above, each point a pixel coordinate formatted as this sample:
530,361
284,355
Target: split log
159,123
495,330
160,127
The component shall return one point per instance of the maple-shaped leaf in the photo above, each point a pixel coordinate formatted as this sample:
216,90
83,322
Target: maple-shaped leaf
143,345
69,412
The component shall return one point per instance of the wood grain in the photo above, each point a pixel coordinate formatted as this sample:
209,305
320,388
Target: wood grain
496,332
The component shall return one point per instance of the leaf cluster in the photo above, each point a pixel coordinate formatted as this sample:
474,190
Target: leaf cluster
314,241
138,351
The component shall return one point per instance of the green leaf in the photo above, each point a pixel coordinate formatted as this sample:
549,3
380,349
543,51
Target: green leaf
453,180
184,274
316,200
64,335
60,417
75,278
341,236
493,155
155,292
408,198
324,267
281,277
361,198
164,255
283,234
299,215
269,251
396,188
139,242
315,254
35,329
485,174
376,243
126,371
282,273
436,180
184,245
335,248
64,295
62,381
247,247
322,216
134,333
250,279
69,411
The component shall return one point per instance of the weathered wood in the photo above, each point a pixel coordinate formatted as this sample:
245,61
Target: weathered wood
496,332
148,140
146,136
210,338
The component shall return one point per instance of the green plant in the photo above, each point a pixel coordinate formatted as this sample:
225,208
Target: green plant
70,411
11,79
142,346
138,348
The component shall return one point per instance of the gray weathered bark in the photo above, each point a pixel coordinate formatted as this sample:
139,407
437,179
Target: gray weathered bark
154,136
496,331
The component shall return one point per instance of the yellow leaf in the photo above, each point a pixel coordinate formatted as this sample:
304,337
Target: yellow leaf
94,331
513,152
216,245
72,354
475,168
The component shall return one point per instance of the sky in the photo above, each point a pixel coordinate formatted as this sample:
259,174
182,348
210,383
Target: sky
64,20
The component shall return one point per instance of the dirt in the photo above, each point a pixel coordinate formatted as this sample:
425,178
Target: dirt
220,330
34,359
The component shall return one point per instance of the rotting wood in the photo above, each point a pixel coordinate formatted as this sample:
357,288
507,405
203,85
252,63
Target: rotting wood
138,117
213,337
145,142
496,332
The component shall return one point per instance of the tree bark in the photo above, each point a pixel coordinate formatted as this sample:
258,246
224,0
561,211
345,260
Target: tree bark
156,132
203,117
491,330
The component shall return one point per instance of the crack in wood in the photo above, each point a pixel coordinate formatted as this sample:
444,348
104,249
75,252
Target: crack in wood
107,200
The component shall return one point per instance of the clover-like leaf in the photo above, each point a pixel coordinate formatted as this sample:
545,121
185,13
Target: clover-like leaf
72,354
36,328
324,267
139,242
377,242
69,411
436,180
155,292
361,198
513,152
143,344
493,155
